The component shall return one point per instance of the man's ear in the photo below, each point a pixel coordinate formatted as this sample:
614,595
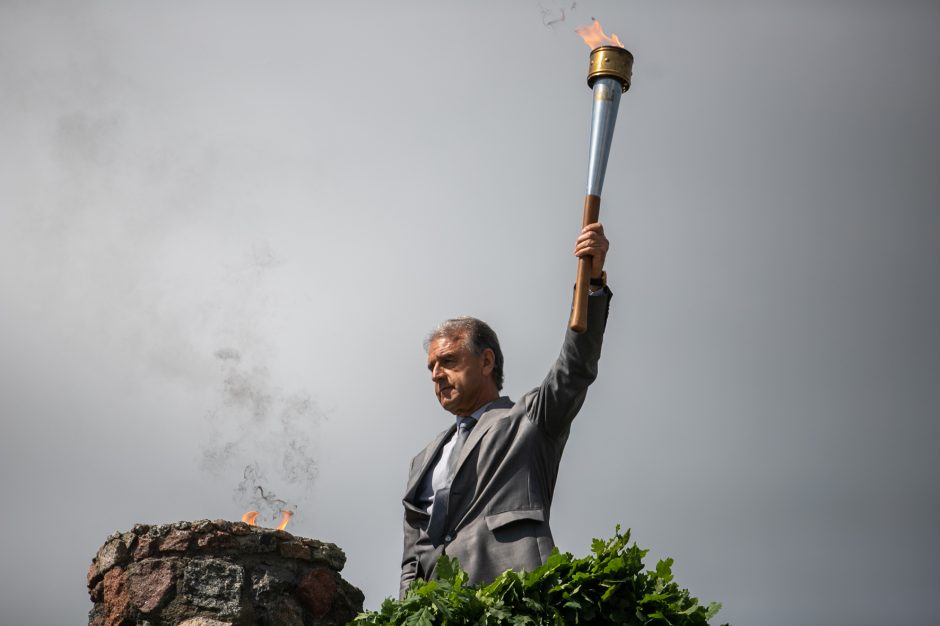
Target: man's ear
489,361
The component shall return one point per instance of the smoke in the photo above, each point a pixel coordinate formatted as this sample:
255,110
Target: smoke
251,493
556,14
264,435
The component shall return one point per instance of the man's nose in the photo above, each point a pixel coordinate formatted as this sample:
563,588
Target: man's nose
437,373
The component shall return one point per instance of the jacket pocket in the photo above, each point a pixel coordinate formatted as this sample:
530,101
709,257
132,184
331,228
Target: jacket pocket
498,520
414,515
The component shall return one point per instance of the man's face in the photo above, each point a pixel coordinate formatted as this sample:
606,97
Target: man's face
460,376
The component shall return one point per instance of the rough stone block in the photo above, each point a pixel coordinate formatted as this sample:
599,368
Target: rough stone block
203,526
327,553
216,539
112,553
283,611
150,583
214,584
144,548
115,597
294,550
176,541
204,621
316,590
257,542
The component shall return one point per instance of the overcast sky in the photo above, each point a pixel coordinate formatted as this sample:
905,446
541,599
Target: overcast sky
225,228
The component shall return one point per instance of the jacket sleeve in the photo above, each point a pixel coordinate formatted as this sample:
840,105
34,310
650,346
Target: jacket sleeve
556,402
409,558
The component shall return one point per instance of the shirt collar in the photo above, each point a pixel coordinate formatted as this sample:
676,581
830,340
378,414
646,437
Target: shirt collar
476,415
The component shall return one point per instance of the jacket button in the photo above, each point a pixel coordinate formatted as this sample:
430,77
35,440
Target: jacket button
448,538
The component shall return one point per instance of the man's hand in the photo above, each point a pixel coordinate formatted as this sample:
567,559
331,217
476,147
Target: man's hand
593,244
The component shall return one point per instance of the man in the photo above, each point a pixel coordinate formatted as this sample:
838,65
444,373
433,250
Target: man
482,490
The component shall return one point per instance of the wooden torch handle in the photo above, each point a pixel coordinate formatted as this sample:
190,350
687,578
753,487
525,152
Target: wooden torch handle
578,323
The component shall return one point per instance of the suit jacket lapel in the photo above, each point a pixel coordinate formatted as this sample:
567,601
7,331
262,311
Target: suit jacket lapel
486,421
430,453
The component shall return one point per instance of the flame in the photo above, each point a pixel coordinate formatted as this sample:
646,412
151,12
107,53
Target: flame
251,516
594,36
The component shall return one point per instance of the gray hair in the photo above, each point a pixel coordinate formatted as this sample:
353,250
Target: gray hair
478,336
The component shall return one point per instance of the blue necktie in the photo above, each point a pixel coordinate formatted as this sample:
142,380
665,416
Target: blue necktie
437,524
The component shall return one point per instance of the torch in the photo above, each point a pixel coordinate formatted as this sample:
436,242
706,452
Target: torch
609,74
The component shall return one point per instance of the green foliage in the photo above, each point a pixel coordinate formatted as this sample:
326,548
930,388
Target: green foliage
610,586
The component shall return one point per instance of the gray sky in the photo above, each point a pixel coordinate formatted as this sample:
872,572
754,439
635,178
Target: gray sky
226,226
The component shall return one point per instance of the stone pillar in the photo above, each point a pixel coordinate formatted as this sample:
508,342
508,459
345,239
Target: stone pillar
218,573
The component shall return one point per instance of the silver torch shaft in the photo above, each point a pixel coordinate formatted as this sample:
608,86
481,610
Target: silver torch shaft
603,119
609,76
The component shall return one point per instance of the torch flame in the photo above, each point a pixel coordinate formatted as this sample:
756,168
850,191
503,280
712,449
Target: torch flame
249,517
594,36
285,517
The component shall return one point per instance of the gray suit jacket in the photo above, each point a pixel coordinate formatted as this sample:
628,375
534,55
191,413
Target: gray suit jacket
498,517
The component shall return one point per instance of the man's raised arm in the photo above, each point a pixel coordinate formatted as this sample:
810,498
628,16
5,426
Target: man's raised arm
559,398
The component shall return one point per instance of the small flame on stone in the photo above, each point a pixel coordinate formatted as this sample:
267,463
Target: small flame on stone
251,518
594,36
